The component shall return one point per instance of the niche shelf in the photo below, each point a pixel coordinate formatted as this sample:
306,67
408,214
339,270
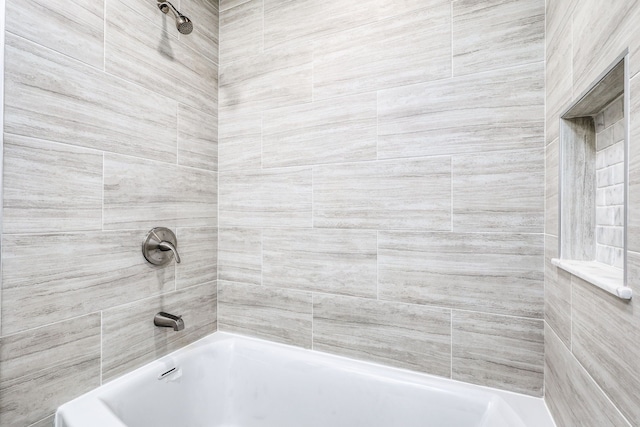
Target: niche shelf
593,183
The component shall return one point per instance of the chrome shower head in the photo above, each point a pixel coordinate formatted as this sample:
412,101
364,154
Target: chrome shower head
183,24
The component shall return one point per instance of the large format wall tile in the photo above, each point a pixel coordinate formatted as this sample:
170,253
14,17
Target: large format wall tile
280,315
572,396
403,335
495,273
559,82
551,188
493,34
50,96
276,78
606,339
407,49
321,260
478,113
557,293
197,138
240,255
46,367
501,191
142,193
498,351
205,37
50,187
144,53
239,140
274,197
392,194
130,339
74,28
40,287
198,249
338,130
241,31
45,422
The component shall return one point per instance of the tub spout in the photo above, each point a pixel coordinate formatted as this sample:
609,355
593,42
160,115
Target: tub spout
166,320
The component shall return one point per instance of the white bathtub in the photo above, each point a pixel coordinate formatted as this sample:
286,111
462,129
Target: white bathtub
226,380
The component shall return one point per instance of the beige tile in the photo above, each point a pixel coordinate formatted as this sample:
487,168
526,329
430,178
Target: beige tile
478,113
498,351
410,336
494,273
551,194
501,191
241,30
239,140
198,248
146,194
74,28
205,36
50,187
265,198
240,255
557,293
276,78
392,194
39,287
321,260
279,315
606,339
130,339
44,368
331,131
571,395
197,138
141,52
50,96
411,48
494,34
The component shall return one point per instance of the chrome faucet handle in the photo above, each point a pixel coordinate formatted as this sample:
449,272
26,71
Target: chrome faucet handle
158,246
168,246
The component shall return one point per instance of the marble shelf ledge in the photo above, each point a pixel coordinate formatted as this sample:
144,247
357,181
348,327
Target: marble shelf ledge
606,277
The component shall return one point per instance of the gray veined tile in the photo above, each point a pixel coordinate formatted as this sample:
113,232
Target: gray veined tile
74,28
108,269
266,198
198,248
197,138
45,422
572,396
498,351
410,337
205,37
228,4
50,96
321,260
280,315
275,78
493,273
606,339
551,188
477,113
46,367
145,194
559,84
130,339
403,50
392,194
239,140
240,255
500,191
139,51
337,130
494,34
241,31
557,293
50,187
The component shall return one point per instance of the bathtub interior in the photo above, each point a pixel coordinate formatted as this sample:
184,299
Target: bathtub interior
229,381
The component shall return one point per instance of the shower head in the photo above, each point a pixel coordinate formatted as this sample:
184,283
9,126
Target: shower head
183,24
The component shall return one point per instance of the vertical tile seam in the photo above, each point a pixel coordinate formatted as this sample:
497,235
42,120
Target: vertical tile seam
102,190
451,34
104,36
101,346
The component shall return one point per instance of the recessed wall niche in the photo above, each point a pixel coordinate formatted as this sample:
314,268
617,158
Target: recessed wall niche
593,180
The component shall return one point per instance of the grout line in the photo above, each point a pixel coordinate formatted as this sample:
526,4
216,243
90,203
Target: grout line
378,265
451,342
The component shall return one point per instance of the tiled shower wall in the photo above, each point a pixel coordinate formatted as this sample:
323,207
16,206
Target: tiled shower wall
111,125
381,182
592,339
